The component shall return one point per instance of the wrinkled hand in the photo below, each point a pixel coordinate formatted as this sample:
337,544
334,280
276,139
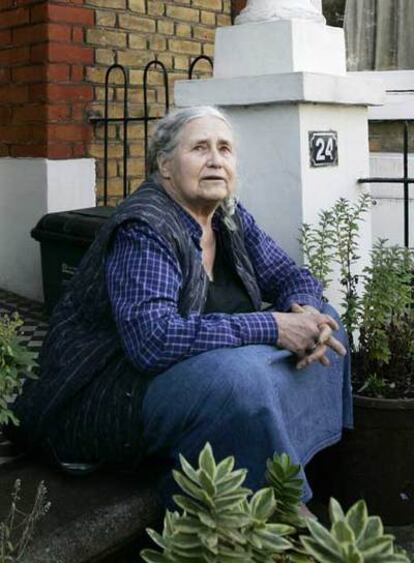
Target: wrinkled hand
308,333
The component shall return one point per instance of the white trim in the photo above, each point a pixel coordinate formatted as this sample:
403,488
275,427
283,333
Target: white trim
399,99
295,87
29,188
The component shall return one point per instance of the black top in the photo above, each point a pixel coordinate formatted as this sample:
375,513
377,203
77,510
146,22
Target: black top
226,293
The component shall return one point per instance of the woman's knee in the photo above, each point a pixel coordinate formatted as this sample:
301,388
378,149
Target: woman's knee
231,378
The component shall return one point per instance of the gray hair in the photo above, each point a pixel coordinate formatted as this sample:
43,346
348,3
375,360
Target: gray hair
166,138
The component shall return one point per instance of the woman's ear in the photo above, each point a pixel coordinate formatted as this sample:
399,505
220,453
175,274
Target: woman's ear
163,166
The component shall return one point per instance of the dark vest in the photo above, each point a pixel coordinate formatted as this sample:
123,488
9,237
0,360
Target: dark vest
82,340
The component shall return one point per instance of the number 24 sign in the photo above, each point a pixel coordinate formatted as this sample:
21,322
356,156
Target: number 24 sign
323,148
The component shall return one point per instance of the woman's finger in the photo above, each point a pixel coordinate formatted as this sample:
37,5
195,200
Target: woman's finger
337,346
328,320
325,361
313,357
325,320
295,308
325,333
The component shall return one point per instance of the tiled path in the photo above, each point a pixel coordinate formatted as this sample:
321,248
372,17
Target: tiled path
32,314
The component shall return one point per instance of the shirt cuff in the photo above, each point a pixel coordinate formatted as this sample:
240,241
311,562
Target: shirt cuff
301,299
257,328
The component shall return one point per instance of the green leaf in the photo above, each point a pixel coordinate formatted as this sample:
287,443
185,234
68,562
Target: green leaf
335,511
238,520
281,529
357,518
323,537
156,538
191,525
342,532
353,555
189,471
207,483
377,546
263,504
273,541
230,482
319,552
189,505
206,461
152,556
207,520
224,467
227,502
191,488
373,529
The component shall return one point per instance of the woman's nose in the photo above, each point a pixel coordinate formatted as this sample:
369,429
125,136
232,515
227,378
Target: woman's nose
214,158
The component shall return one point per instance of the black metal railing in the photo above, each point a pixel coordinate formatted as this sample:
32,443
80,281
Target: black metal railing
125,120
405,181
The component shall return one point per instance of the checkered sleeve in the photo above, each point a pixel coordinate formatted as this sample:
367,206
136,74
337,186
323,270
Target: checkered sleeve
281,281
143,279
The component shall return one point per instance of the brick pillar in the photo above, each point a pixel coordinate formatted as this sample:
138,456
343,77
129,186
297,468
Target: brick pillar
43,127
42,90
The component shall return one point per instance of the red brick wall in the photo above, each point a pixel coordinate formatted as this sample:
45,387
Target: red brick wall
43,94
53,59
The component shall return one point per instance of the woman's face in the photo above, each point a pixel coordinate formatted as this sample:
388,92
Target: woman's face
201,171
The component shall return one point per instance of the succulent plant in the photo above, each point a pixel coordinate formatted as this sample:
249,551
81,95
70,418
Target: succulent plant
219,522
223,522
354,537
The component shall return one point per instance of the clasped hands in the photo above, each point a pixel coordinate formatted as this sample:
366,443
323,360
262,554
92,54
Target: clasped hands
308,334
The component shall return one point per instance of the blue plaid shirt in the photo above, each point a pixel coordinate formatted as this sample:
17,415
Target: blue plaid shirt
144,279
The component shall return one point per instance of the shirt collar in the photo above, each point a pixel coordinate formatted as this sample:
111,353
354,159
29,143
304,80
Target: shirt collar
191,225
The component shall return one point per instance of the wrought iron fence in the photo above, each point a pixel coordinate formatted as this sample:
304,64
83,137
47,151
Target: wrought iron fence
126,119
405,181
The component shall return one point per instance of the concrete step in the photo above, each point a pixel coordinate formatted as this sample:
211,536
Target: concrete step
91,517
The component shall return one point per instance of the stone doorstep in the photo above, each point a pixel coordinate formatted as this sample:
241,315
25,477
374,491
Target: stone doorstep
90,516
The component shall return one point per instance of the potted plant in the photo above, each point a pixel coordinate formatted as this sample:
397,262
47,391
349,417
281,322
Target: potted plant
16,363
222,521
376,460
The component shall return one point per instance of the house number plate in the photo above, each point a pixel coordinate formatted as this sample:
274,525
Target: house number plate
323,148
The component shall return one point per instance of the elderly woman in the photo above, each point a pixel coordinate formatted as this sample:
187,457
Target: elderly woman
161,342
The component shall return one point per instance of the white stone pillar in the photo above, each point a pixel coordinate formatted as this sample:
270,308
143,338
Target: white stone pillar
29,188
283,83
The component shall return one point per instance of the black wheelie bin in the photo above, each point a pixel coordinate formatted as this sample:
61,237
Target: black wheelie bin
64,238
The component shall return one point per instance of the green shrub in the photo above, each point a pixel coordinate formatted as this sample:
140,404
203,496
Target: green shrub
378,306
16,363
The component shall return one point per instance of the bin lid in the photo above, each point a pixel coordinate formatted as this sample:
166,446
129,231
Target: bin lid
78,226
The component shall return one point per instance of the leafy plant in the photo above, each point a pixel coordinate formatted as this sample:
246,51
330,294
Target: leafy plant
17,529
335,238
223,522
378,305
16,363
348,217
354,537
318,245
386,343
387,298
